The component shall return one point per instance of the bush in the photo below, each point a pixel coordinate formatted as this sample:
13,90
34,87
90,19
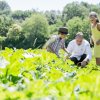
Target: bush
5,23
21,15
2,39
36,31
76,25
15,37
14,31
4,8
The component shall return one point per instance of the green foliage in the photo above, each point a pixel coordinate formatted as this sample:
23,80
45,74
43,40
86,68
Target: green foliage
5,23
36,30
51,17
95,8
15,37
2,39
21,15
39,75
54,28
74,9
78,25
54,20
38,26
4,8
14,31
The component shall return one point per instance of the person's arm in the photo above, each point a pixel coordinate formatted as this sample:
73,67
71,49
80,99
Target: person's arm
64,48
69,50
51,40
89,56
89,53
68,54
98,27
91,41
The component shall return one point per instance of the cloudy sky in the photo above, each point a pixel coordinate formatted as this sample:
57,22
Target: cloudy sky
43,5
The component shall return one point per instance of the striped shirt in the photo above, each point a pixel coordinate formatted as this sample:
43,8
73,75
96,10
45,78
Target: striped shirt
54,44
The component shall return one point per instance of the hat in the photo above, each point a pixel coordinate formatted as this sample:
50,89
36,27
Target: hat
63,30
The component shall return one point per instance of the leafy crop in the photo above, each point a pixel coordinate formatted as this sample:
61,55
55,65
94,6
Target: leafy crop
39,75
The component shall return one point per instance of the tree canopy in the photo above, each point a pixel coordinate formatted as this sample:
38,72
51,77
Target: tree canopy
36,26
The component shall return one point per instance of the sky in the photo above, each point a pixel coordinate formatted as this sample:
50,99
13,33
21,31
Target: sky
43,5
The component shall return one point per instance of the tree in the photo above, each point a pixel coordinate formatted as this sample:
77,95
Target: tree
74,9
95,8
91,7
14,31
51,17
4,8
5,23
53,29
78,25
36,30
21,15
15,37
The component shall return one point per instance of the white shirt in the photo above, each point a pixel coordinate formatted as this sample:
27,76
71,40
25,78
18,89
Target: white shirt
78,50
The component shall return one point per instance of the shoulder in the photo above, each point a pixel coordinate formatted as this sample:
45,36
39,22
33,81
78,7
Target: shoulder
86,43
72,42
54,37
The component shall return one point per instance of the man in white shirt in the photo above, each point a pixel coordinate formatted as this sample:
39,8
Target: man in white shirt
79,50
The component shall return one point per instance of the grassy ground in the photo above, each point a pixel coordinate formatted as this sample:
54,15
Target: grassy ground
39,75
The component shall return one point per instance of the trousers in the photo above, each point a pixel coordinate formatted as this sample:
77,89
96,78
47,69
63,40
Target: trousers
76,61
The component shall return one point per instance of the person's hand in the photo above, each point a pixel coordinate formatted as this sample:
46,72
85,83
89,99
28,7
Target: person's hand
66,58
91,42
83,63
98,26
98,42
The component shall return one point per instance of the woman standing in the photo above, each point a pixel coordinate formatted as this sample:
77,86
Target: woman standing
95,28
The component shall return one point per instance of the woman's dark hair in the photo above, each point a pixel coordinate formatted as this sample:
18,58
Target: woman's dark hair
97,20
95,15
